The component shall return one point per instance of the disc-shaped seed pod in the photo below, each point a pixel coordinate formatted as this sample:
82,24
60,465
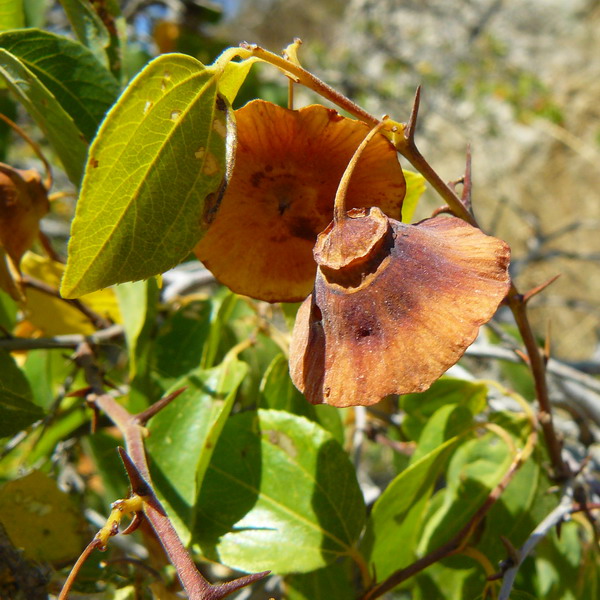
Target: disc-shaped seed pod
393,306
288,164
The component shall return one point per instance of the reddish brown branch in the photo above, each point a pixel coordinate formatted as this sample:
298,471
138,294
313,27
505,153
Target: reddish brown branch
516,302
537,364
452,546
195,585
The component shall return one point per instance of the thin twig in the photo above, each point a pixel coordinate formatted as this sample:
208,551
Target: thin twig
564,508
62,341
537,365
461,538
132,430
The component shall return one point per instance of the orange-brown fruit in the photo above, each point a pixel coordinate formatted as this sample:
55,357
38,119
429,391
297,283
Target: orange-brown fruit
288,164
393,306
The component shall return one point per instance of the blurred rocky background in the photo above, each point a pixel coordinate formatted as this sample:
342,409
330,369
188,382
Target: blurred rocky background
519,81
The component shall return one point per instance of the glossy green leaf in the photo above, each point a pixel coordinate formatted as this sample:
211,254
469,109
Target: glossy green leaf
447,422
523,504
223,307
11,14
391,537
69,71
183,436
158,157
457,577
447,390
60,129
46,370
415,188
138,305
475,469
8,311
17,410
280,493
279,393
88,27
182,339
566,566
333,582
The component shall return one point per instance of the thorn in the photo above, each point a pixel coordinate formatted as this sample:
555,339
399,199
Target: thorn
513,553
412,121
139,485
467,182
452,184
224,589
90,401
522,356
138,517
82,393
546,353
143,417
540,288
441,210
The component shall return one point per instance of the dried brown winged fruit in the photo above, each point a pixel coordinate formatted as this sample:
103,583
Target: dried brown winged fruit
288,164
393,305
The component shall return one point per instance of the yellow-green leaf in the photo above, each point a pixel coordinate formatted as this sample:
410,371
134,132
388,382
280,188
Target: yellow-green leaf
42,519
11,14
158,158
415,187
53,316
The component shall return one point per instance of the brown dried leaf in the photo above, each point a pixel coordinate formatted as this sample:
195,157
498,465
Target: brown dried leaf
23,202
390,316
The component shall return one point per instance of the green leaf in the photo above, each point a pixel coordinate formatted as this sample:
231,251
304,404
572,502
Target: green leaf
447,390
279,393
415,187
46,370
184,434
447,422
329,583
182,339
60,129
281,494
17,410
475,469
137,304
8,311
391,536
88,27
158,157
69,71
523,505
223,304
11,14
